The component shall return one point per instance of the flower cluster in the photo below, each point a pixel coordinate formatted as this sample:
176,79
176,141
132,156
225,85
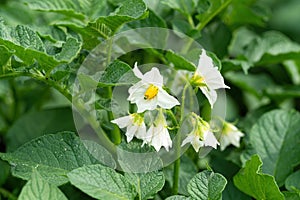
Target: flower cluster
148,95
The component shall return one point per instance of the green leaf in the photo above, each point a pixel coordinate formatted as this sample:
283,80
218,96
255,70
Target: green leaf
272,138
117,73
186,7
215,7
207,185
179,61
101,183
178,197
72,8
256,84
153,20
292,182
38,123
242,12
52,155
4,172
291,195
107,24
269,48
187,171
29,47
39,189
148,184
5,55
251,181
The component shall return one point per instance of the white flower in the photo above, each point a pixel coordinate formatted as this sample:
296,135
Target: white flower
148,93
201,135
134,124
230,135
159,133
208,78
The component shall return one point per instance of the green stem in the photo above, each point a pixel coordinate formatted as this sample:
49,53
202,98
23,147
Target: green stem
115,133
7,194
202,24
41,78
178,146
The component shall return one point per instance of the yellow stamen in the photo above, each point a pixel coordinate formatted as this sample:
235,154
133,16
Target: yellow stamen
151,92
198,80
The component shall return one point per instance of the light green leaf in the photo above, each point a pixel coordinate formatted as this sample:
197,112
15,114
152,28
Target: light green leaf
272,138
215,7
186,7
72,8
147,185
179,61
207,185
117,73
106,25
5,55
269,48
28,46
39,189
292,182
178,197
251,181
38,123
153,20
101,183
52,155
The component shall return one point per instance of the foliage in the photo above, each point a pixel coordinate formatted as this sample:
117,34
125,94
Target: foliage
66,64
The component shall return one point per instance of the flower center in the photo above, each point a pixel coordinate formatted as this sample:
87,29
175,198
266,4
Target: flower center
198,80
137,119
151,92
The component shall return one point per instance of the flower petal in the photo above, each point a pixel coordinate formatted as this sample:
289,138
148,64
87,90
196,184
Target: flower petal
130,132
142,133
144,105
211,74
164,100
122,122
137,91
211,95
154,77
197,143
210,140
137,72
188,139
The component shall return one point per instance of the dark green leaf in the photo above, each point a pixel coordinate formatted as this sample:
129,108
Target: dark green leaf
148,184
187,171
53,156
253,83
215,7
292,182
38,123
207,185
291,195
